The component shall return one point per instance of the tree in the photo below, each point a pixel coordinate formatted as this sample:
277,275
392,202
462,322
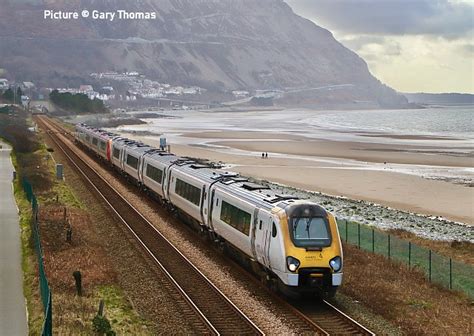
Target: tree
8,95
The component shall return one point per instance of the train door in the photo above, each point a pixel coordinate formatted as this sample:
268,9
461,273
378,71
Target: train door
275,247
204,208
210,207
262,237
109,150
141,167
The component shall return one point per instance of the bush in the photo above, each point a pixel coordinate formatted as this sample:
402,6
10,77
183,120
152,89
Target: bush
101,325
78,103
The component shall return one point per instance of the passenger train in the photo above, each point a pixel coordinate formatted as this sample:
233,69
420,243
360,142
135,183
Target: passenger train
293,244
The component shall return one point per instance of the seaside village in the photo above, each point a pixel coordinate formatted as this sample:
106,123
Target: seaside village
115,86
136,86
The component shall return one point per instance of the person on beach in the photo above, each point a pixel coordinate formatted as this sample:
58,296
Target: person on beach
263,155
266,155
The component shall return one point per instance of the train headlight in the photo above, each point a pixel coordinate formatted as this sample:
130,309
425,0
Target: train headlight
292,264
336,264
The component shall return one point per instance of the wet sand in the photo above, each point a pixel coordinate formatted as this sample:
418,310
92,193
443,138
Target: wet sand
356,170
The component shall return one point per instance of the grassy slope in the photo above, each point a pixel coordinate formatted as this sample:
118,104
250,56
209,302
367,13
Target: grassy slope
71,315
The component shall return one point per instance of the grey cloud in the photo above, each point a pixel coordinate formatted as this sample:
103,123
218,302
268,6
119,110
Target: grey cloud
389,47
390,17
467,49
357,42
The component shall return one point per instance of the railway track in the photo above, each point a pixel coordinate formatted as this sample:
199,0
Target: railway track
213,312
332,320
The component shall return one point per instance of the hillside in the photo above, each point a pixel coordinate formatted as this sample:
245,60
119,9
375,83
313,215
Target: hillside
219,45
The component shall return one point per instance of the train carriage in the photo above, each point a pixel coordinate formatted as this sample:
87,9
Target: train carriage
97,140
131,159
155,172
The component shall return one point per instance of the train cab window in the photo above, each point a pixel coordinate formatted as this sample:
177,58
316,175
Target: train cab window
310,231
132,161
154,173
274,230
116,153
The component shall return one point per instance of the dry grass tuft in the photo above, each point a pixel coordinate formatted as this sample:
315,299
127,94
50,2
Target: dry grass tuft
404,296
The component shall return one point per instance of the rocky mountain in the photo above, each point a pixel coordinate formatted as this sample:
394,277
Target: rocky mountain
216,44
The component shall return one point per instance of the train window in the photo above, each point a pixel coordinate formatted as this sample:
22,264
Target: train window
310,231
88,138
217,202
95,141
132,161
154,173
260,225
235,217
274,230
102,146
188,191
116,153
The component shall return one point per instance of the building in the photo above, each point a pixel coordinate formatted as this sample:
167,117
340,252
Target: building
86,88
3,84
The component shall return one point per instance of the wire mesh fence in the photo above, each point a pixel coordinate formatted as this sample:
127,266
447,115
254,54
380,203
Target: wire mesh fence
437,268
45,291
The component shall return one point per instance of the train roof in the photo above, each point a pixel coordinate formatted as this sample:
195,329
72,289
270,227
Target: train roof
239,186
98,132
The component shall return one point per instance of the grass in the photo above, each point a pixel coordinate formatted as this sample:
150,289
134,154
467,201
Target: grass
404,296
72,315
120,312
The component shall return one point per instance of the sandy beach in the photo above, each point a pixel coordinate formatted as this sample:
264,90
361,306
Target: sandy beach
355,176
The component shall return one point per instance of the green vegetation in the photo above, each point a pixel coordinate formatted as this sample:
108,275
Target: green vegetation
10,97
78,103
71,314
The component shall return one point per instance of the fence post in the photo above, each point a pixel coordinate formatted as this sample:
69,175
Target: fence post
373,241
429,265
409,254
358,235
346,229
450,273
388,247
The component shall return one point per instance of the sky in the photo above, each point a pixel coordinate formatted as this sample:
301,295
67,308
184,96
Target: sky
410,45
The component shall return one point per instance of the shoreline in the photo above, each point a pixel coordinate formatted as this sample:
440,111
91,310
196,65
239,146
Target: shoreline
355,173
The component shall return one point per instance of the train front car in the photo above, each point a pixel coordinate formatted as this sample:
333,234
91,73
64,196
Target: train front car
313,250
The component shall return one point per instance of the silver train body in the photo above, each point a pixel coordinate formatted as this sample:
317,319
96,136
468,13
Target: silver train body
292,243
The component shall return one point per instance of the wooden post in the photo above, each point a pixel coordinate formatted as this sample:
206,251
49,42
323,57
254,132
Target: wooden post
450,273
78,278
373,240
101,308
388,246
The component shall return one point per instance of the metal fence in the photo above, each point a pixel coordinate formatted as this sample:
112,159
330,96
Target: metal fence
45,291
437,268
